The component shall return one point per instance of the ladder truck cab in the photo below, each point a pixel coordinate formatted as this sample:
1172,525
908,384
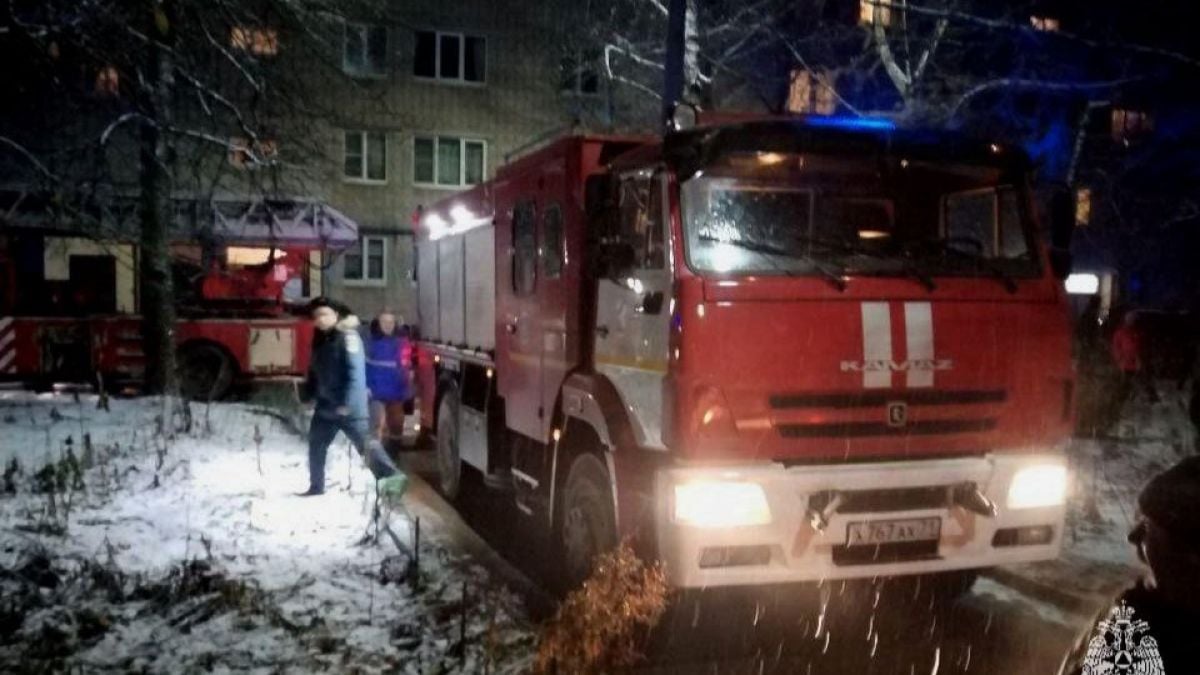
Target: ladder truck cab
766,351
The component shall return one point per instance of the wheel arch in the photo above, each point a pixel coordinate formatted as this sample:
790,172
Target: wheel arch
593,421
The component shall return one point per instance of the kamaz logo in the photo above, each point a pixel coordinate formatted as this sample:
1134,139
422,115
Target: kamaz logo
888,365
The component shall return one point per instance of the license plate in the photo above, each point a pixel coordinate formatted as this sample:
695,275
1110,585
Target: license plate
876,532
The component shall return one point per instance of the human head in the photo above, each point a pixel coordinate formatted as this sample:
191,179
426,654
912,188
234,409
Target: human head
1129,318
325,313
1168,535
386,322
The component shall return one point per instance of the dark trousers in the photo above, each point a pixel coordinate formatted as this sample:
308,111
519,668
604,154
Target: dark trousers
321,433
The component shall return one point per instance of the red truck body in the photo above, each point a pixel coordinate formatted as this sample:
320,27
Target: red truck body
649,339
75,317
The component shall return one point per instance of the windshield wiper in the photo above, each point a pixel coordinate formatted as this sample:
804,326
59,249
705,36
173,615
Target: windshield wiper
835,277
907,266
946,246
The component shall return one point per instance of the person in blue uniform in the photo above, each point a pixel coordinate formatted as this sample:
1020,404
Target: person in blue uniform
389,376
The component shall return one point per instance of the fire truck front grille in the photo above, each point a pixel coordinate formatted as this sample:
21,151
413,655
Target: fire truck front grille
857,429
872,399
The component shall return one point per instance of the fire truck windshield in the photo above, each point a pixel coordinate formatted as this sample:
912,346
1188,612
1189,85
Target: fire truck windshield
786,213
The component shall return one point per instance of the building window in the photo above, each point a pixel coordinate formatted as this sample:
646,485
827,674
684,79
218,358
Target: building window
1128,125
108,81
364,49
811,92
366,262
257,41
448,161
450,56
578,74
247,154
872,12
1083,207
365,157
1044,23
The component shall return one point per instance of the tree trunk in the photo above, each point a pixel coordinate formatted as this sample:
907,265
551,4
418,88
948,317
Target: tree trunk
155,215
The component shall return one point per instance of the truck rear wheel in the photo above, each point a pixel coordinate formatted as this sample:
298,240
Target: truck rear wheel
587,526
205,372
449,460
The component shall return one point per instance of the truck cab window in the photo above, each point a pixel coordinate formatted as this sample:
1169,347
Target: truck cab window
641,219
986,222
524,238
552,242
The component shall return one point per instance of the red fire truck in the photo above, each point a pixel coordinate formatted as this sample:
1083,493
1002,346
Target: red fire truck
69,310
765,351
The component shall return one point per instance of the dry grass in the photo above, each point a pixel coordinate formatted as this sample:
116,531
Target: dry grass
601,626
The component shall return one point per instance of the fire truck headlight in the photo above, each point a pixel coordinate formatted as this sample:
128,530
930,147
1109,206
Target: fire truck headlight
1039,485
720,504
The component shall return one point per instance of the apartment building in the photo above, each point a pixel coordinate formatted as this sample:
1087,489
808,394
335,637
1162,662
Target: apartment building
439,96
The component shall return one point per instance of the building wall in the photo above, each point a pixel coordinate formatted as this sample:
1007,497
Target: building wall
519,102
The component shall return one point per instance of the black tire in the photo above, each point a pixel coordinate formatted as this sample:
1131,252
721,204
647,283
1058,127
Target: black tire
449,459
205,372
587,525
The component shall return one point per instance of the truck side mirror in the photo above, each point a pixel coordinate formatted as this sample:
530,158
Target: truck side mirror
1062,229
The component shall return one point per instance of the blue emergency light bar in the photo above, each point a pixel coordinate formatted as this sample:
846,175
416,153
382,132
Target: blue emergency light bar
853,123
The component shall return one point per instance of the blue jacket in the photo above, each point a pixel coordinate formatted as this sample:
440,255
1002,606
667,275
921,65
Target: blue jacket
337,371
387,367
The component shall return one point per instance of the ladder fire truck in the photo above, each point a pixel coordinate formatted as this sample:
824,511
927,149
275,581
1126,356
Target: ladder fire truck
764,351
68,303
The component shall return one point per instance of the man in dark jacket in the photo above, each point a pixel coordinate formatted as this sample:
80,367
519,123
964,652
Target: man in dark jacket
1151,628
337,385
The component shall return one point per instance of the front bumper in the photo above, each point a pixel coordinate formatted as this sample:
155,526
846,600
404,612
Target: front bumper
790,549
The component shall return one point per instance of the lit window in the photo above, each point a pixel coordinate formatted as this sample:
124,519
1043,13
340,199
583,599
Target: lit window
1129,124
811,93
257,41
578,73
364,50
108,81
1083,206
365,156
245,154
448,161
1044,23
871,12
248,256
366,261
450,56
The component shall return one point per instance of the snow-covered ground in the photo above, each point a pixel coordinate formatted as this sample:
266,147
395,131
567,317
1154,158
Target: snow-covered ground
180,546
1108,473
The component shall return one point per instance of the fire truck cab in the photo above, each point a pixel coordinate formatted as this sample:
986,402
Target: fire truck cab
768,351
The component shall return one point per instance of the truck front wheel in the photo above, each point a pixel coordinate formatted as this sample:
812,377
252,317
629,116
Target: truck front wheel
205,372
587,526
448,460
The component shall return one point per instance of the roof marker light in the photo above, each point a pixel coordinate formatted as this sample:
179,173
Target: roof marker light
461,215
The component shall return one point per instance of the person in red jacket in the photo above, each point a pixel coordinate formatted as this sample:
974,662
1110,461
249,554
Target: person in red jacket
1126,350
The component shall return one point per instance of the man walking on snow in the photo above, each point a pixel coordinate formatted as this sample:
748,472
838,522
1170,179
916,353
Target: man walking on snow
336,382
